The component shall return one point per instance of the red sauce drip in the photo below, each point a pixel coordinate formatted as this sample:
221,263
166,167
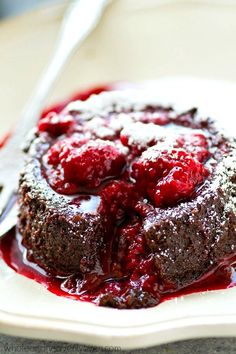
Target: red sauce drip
14,254
4,139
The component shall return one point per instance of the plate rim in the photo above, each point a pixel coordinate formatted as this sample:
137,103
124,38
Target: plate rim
186,327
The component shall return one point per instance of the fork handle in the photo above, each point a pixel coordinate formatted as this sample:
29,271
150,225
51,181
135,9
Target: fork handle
80,19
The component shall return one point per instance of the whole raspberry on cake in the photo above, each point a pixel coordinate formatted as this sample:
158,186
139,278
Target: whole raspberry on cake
128,199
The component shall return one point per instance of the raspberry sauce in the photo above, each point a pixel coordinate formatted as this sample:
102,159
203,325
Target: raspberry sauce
13,254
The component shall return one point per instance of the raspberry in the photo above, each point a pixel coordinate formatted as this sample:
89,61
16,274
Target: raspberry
117,197
62,148
139,136
124,140
131,245
196,144
92,163
168,177
56,124
56,180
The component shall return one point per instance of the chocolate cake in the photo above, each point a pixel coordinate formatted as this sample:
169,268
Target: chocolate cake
128,199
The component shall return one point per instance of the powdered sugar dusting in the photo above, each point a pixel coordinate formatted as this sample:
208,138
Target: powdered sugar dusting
141,134
120,101
97,126
226,179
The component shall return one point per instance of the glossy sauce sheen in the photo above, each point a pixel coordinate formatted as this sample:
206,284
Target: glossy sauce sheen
13,253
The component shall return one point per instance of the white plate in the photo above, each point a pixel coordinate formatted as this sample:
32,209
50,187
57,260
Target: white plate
28,309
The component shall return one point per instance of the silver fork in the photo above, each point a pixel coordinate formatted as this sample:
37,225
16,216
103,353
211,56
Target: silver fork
80,19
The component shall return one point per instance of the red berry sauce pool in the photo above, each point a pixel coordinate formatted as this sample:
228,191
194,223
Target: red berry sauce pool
13,253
